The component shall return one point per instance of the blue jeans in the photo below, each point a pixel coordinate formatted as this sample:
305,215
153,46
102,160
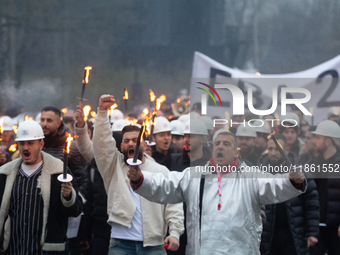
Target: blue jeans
126,247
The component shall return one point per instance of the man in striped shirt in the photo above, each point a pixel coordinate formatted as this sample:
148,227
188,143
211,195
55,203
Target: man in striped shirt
35,206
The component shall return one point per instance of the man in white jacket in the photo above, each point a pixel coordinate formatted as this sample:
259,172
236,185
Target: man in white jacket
224,210
137,225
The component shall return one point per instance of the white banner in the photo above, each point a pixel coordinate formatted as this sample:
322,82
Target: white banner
321,81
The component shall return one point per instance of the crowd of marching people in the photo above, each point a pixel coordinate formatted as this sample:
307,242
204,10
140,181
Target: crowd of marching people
164,202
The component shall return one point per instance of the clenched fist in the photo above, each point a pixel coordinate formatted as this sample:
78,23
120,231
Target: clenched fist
296,175
106,101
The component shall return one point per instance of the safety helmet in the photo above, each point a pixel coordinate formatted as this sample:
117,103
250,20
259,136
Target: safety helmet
177,127
328,128
184,118
116,115
7,123
119,125
291,116
208,122
38,117
29,130
195,127
246,131
161,125
264,129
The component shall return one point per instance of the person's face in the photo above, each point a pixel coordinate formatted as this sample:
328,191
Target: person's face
30,151
178,140
6,136
128,145
309,141
49,122
320,143
291,135
246,144
273,152
260,141
163,140
224,150
193,142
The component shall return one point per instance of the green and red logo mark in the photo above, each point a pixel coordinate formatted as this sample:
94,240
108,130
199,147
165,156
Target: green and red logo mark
208,92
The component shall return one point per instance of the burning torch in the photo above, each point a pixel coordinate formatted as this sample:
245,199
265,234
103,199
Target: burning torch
85,81
135,161
152,98
150,142
65,177
126,97
279,147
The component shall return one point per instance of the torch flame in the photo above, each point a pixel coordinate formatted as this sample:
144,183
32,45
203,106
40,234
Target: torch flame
64,110
266,151
159,101
93,114
131,121
12,148
114,106
86,110
15,129
1,128
178,100
187,103
270,135
68,142
126,94
87,73
143,131
336,110
26,117
311,109
152,96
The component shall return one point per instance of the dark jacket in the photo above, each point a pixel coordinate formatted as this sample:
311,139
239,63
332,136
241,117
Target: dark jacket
55,144
56,211
329,193
306,158
300,215
164,159
95,209
180,161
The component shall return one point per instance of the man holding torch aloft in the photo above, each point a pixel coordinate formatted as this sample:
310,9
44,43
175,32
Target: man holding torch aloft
224,208
136,224
35,206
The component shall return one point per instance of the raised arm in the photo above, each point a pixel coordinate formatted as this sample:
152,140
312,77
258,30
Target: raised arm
104,145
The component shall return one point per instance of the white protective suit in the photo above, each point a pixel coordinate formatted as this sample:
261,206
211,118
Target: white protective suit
236,228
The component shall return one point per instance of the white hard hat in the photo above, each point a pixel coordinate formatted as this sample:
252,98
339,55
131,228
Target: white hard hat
177,127
116,115
7,123
328,128
29,130
246,131
195,127
161,125
119,125
38,117
265,128
291,116
208,122
184,118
